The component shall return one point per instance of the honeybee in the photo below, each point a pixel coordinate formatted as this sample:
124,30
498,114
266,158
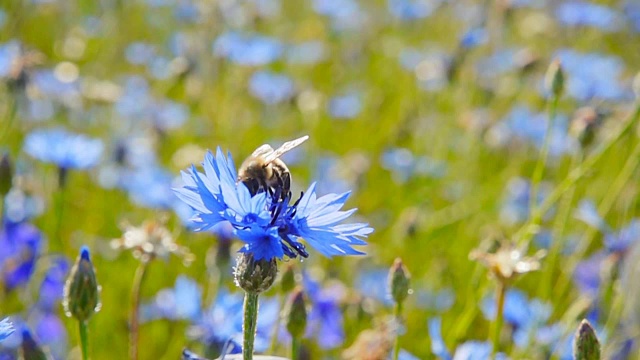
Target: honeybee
264,171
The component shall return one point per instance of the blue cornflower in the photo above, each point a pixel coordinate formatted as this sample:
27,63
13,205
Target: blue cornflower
20,246
325,320
63,148
582,13
6,328
271,88
412,9
592,75
267,222
183,301
249,50
346,106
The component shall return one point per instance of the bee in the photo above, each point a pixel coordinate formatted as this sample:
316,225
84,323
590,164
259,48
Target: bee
264,171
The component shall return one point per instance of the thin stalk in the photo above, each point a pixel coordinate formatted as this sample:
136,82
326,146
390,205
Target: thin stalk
496,326
84,339
396,346
541,164
59,197
134,318
295,348
249,324
524,233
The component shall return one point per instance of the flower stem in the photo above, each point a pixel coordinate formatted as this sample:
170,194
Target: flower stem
84,339
538,172
249,324
295,348
134,318
497,324
396,346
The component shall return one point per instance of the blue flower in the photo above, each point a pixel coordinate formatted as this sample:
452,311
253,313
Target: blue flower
6,328
621,241
325,320
10,53
249,50
588,212
20,246
438,347
65,149
474,37
345,107
587,274
180,302
271,88
270,226
412,9
52,287
517,203
582,13
592,75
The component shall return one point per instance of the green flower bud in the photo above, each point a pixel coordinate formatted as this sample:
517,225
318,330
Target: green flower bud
254,276
554,79
288,281
30,350
586,345
81,291
399,281
295,313
6,175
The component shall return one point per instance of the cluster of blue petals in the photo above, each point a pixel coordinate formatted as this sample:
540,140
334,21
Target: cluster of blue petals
269,224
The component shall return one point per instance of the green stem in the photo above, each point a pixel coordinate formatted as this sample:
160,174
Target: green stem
134,318
396,346
295,348
496,327
538,172
249,324
524,233
84,339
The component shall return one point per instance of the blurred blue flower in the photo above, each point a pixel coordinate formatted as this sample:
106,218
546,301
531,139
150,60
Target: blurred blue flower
330,172
168,115
498,63
246,49
65,149
139,53
404,165
438,347
271,88
135,97
588,212
308,53
325,321
10,53
346,106
51,85
368,283
344,14
182,302
6,328
524,125
20,246
412,9
517,203
621,241
587,274
221,324
582,13
51,289
474,37
266,222
631,10
592,75
525,316
149,187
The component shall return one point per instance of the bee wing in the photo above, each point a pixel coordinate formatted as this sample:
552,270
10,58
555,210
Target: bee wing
263,151
274,154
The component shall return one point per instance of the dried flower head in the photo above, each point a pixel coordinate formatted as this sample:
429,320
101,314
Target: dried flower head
508,261
151,240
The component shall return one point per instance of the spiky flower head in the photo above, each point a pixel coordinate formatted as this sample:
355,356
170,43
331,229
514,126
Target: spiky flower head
81,291
254,276
398,281
295,313
585,344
